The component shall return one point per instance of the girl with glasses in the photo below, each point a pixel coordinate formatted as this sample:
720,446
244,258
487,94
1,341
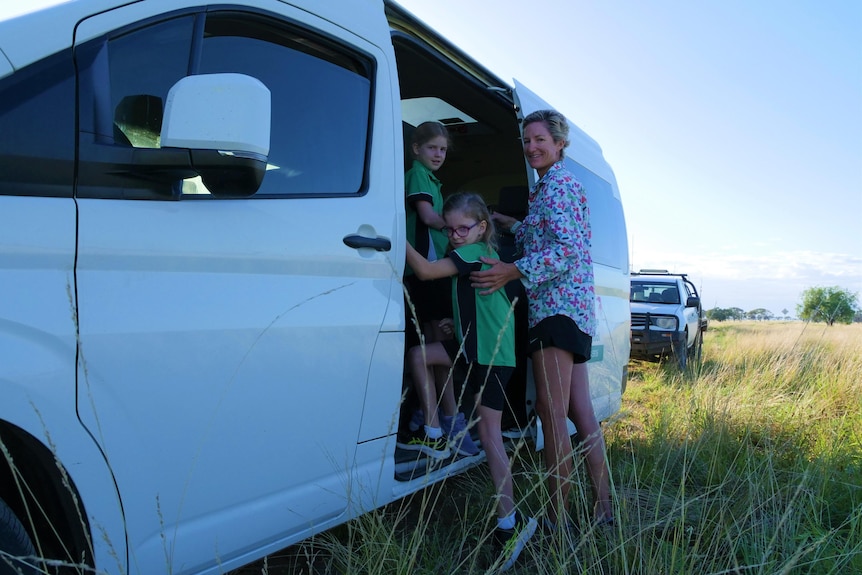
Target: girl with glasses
484,345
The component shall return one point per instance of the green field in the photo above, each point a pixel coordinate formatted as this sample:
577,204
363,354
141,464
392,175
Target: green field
750,464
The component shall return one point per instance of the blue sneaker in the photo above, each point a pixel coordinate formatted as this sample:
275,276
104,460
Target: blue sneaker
456,432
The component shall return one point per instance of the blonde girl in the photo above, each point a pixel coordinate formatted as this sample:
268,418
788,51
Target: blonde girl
485,343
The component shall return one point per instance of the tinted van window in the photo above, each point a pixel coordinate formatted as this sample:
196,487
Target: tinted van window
37,129
606,218
144,65
321,99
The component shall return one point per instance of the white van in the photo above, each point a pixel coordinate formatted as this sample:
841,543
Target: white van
202,231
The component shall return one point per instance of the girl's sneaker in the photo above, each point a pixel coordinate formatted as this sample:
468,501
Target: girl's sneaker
455,430
511,542
419,441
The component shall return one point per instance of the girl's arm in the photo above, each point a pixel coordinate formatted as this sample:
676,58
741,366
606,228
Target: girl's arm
429,217
503,222
425,270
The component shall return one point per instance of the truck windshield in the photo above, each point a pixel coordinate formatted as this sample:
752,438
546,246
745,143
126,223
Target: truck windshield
654,293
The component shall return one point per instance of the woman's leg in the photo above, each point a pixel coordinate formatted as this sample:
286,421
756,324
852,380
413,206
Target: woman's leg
590,434
498,459
552,372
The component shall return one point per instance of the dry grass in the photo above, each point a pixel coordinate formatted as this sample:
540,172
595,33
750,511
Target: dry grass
751,464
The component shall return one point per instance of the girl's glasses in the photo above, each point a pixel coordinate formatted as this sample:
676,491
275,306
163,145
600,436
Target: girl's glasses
460,231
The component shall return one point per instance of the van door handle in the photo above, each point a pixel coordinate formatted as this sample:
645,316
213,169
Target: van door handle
379,243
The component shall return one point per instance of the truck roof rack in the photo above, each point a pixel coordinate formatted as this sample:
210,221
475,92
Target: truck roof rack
656,272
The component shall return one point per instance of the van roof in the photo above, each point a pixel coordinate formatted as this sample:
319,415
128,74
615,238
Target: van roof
30,37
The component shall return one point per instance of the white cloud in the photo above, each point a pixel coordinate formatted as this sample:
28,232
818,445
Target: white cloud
807,265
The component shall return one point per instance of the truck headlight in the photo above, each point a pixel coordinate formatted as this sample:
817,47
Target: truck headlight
663,322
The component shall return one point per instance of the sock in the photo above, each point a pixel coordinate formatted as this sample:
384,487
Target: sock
433,432
507,522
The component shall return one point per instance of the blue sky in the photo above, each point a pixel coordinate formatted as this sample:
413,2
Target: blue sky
734,127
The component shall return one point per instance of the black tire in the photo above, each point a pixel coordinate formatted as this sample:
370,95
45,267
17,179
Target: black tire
14,543
680,352
695,353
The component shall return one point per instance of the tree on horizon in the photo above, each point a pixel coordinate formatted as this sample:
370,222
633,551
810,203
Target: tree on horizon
828,304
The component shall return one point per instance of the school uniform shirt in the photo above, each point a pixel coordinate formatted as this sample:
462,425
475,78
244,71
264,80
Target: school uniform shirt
484,324
421,184
555,240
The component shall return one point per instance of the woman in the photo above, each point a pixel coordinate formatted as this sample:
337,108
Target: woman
556,270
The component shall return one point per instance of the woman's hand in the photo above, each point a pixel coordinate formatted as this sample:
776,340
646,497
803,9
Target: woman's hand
495,277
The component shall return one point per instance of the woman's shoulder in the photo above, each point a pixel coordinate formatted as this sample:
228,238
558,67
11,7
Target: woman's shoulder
559,174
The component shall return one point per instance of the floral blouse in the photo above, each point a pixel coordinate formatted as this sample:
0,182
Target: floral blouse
555,240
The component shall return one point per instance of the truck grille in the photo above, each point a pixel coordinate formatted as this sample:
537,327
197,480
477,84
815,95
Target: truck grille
639,320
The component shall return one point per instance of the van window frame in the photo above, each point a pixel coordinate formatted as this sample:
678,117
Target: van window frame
103,148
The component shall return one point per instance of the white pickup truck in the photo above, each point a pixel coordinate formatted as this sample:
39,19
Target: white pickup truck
202,239
667,317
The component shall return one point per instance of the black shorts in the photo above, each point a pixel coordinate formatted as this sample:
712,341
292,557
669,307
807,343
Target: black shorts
562,332
431,299
490,382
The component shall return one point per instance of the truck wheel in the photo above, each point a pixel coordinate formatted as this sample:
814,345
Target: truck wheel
695,354
680,352
15,543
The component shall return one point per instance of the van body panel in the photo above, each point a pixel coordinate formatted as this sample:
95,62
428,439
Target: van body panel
5,66
381,409
38,344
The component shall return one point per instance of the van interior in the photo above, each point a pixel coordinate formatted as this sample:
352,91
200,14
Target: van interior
485,157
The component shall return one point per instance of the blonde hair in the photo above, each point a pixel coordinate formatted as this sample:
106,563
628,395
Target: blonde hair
556,123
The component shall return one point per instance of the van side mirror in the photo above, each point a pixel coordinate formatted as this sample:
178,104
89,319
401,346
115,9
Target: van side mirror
224,121
692,302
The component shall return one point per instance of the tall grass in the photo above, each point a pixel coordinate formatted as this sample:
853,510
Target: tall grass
749,464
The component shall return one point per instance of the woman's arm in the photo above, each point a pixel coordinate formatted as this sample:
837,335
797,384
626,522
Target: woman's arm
495,277
425,270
